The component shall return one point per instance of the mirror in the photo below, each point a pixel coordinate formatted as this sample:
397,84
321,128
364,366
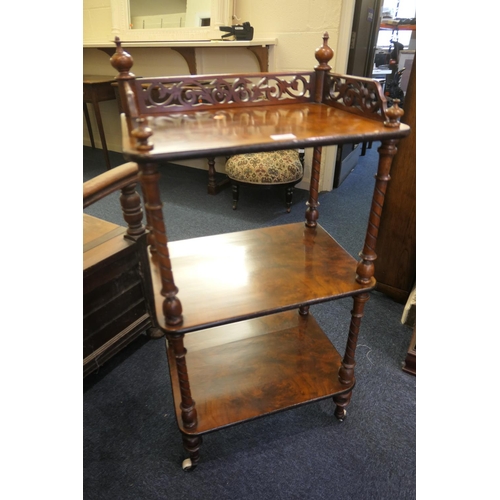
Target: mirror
152,14
170,20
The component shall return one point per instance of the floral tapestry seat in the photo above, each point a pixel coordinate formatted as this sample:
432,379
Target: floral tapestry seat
284,167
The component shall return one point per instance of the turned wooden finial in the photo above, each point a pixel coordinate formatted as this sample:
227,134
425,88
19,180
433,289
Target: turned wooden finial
324,54
394,113
122,61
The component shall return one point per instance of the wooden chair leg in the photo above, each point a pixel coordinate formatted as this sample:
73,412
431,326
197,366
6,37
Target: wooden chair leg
288,197
89,126
236,195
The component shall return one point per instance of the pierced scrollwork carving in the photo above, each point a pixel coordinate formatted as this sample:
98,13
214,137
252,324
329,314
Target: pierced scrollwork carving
173,94
362,96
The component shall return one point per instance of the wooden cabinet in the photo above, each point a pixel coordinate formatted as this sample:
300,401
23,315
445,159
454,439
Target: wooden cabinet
237,308
114,303
396,264
117,293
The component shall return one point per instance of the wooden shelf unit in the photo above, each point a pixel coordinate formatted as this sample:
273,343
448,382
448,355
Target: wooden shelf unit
241,342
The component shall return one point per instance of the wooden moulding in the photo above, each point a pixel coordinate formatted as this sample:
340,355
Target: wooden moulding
242,371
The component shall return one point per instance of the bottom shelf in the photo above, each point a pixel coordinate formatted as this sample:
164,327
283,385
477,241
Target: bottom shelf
245,370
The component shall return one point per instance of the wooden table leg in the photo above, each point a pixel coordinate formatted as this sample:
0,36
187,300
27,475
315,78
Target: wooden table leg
98,118
98,88
89,126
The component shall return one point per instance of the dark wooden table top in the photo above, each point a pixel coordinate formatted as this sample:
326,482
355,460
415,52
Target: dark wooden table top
92,79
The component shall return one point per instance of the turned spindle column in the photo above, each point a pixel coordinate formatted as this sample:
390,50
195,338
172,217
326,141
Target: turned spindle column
130,202
122,61
149,176
312,213
366,267
172,308
323,55
387,151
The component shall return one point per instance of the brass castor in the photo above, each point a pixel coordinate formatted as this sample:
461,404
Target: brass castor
187,465
342,417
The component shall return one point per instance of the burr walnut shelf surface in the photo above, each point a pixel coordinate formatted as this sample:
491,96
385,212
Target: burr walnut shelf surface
264,270
246,370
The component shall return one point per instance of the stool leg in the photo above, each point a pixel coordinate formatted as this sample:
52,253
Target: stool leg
89,126
288,197
236,194
212,184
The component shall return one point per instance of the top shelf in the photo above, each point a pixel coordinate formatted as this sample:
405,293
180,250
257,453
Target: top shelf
189,117
217,132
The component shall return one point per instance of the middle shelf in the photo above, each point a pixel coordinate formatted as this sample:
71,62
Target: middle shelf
241,275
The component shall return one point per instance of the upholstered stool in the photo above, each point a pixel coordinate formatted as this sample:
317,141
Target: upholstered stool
284,167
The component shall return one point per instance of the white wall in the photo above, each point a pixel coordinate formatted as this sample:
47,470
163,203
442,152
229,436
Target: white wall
96,20
196,10
298,26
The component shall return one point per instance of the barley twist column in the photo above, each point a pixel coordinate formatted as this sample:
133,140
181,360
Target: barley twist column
172,308
366,267
188,407
346,371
